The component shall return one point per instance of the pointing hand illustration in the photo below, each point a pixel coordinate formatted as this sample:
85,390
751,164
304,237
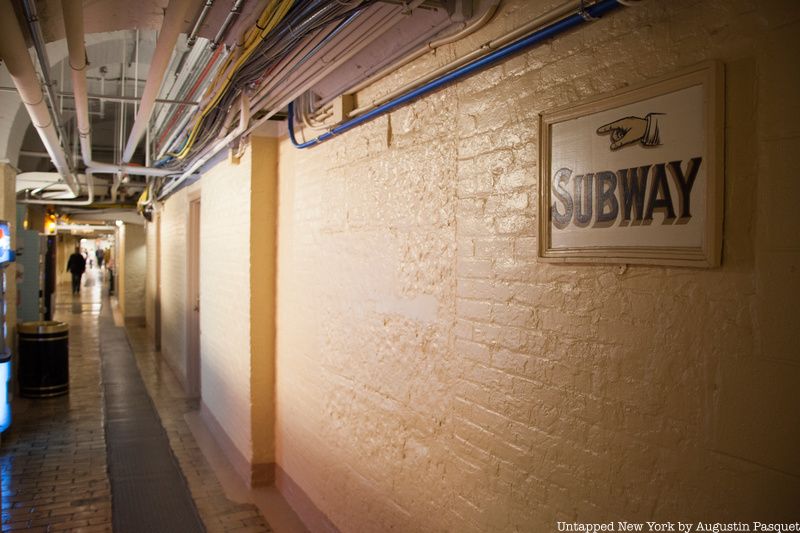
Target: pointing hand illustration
629,130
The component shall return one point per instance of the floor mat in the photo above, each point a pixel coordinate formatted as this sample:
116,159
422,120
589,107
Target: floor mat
148,490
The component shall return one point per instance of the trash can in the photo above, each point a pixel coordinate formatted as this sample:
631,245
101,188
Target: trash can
43,359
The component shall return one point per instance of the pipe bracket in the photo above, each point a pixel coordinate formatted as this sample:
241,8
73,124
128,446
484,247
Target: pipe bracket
585,15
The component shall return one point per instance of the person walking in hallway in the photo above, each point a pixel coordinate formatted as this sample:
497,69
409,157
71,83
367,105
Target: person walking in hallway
76,265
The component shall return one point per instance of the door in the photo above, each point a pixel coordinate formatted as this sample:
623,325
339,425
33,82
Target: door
193,300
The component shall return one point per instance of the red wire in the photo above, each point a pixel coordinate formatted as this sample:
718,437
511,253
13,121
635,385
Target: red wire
189,95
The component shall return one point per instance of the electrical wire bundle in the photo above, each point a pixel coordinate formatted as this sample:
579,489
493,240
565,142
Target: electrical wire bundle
281,27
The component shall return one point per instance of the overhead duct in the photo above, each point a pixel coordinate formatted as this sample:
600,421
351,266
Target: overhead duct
15,54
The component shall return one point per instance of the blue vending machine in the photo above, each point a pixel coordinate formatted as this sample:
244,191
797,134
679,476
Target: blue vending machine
6,258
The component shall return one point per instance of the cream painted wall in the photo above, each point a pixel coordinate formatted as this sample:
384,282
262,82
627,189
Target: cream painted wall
432,375
151,275
175,217
237,298
120,266
135,271
225,299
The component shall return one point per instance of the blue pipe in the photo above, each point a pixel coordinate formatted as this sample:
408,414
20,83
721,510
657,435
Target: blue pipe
595,11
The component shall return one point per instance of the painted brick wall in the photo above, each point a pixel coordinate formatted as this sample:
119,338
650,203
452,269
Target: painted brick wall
432,375
174,220
151,275
135,271
225,299
225,343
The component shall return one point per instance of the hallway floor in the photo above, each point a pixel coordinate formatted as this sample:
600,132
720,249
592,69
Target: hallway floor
55,456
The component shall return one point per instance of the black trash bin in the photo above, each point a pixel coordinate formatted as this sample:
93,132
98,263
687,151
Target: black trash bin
43,359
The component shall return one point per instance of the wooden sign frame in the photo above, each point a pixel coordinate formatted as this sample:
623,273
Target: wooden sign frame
596,244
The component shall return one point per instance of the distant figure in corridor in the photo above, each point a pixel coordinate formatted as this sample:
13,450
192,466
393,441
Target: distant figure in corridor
99,255
76,266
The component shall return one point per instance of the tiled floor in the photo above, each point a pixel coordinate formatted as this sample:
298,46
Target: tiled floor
53,458
217,512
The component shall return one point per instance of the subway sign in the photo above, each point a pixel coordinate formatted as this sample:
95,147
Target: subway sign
636,176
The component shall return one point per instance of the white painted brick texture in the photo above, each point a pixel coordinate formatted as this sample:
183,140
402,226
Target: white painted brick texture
434,376
173,281
151,271
225,299
135,271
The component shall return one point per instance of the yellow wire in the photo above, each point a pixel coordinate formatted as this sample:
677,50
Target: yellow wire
270,17
248,39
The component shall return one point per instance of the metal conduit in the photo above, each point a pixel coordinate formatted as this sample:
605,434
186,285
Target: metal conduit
199,23
89,200
134,99
583,15
232,15
179,118
168,36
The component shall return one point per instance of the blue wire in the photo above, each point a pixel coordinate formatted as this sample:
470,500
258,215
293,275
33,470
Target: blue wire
595,11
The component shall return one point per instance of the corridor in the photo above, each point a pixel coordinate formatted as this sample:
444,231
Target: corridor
66,468
426,266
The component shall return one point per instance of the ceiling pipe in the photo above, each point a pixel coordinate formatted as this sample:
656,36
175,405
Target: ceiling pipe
180,118
199,23
31,15
167,38
232,16
73,24
89,200
134,99
15,54
85,228
117,181
32,153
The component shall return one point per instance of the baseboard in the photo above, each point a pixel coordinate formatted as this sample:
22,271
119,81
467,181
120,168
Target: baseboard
135,321
313,518
166,356
253,474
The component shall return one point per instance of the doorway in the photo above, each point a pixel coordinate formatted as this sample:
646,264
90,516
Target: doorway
193,300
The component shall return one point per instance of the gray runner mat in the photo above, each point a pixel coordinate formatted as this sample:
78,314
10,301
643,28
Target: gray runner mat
148,490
